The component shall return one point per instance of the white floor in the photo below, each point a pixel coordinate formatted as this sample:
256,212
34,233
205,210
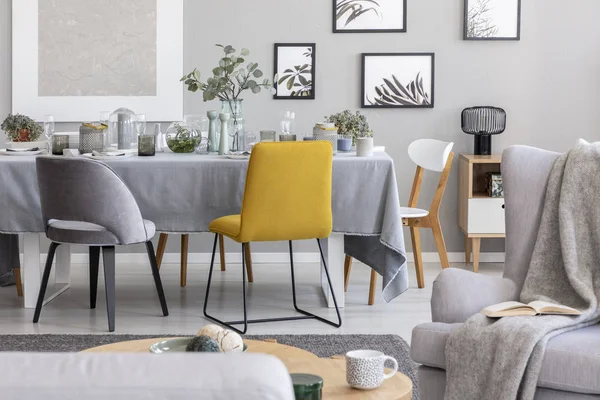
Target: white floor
138,310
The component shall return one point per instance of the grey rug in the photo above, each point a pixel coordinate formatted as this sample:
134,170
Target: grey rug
320,345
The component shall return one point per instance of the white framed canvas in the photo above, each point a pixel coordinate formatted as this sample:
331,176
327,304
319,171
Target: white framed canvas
492,20
369,16
295,66
398,80
75,58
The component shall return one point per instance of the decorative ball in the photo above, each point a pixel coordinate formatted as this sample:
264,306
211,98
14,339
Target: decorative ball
230,342
212,331
203,344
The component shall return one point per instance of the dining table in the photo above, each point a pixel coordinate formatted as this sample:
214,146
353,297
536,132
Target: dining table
183,193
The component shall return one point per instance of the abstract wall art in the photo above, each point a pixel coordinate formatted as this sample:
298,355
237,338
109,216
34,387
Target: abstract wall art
295,66
369,16
398,80
75,58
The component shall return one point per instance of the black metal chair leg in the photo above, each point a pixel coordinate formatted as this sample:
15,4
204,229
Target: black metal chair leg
227,324
156,275
44,283
337,310
94,267
108,253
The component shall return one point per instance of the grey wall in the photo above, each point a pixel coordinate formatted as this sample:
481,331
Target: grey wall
548,82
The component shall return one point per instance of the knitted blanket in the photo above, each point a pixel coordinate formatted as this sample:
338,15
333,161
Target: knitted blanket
500,359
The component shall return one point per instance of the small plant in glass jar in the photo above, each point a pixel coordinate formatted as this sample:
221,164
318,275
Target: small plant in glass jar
182,138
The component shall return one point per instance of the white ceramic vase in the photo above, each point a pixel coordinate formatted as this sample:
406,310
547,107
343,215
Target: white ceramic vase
364,147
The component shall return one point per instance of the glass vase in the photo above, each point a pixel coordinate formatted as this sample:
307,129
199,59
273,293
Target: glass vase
236,123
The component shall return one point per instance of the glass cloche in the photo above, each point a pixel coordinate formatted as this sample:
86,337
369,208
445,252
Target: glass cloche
182,138
122,130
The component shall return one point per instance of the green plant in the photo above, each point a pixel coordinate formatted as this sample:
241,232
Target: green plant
351,124
229,79
354,9
19,127
394,93
183,141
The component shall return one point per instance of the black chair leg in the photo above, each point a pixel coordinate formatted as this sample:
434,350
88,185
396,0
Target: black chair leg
156,275
227,324
108,253
94,267
44,285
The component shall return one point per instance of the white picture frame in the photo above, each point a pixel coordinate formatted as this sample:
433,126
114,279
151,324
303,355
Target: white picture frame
165,105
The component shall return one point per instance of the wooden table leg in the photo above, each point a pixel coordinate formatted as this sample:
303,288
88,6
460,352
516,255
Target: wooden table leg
160,249
347,269
373,287
333,250
184,260
222,252
476,244
467,250
248,256
17,273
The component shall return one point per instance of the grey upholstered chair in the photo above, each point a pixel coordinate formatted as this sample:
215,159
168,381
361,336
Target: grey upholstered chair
85,202
571,366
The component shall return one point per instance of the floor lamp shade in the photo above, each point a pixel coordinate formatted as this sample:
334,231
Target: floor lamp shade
483,122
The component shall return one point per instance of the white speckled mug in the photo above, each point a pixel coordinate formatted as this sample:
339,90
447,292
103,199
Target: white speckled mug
365,368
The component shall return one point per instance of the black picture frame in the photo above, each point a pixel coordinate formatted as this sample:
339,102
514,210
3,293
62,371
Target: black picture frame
398,92
493,38
313,51
338,30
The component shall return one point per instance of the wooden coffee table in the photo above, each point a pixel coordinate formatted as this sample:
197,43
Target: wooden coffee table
332,370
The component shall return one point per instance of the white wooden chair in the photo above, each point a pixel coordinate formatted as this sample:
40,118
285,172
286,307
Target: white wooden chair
433,155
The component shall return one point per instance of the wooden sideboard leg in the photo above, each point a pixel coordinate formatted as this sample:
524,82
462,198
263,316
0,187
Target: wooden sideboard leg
476,244
416,244
160,249
467,250
347,269
184,260
222,252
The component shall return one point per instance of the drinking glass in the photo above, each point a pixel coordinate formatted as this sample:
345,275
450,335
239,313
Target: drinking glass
141,124
288,123
105,117
49,130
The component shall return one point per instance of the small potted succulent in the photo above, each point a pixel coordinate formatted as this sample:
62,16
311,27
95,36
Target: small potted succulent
21,128
355,128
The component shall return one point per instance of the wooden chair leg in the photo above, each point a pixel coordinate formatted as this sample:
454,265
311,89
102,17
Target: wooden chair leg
415,237
347,269
222,252
184,260
476,244
160,249
17,273
440,244
248,256
373,287
467,250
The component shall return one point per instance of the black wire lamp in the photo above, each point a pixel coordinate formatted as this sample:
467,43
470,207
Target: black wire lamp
483,122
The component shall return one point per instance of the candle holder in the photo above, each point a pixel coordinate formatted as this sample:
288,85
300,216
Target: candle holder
268,136
146,145
59,143
287,137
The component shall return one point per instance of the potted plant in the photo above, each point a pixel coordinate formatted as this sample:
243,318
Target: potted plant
21,128
354,126
228,81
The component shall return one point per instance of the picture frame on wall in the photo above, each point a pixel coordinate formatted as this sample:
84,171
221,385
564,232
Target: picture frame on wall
398,80
295,66
492,20
369,16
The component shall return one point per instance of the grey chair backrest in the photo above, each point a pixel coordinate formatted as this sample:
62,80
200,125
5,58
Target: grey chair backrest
84,190
525,173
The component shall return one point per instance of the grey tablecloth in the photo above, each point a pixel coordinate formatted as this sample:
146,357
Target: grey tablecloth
184,193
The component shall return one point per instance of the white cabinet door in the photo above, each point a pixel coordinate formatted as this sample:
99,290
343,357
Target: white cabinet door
486,216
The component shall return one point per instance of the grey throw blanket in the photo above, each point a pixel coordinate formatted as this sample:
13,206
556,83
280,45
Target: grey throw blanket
501,358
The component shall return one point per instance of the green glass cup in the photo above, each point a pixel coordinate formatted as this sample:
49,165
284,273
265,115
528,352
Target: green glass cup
307,386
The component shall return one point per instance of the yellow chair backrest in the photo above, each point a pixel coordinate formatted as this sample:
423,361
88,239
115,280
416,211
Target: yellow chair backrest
288,192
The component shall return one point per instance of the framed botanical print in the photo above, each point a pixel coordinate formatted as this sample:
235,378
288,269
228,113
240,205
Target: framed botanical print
398,80
492,20
295,65
369,16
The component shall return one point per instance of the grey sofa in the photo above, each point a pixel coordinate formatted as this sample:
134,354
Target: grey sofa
571,366
28,376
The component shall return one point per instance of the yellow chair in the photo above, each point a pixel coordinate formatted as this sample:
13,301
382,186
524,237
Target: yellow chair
287,197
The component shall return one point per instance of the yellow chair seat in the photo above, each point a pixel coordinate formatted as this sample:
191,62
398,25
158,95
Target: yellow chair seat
229,226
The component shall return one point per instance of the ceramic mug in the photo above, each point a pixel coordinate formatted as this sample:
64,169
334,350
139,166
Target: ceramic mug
365,368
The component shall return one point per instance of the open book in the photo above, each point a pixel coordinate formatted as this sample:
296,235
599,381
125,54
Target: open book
514,308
